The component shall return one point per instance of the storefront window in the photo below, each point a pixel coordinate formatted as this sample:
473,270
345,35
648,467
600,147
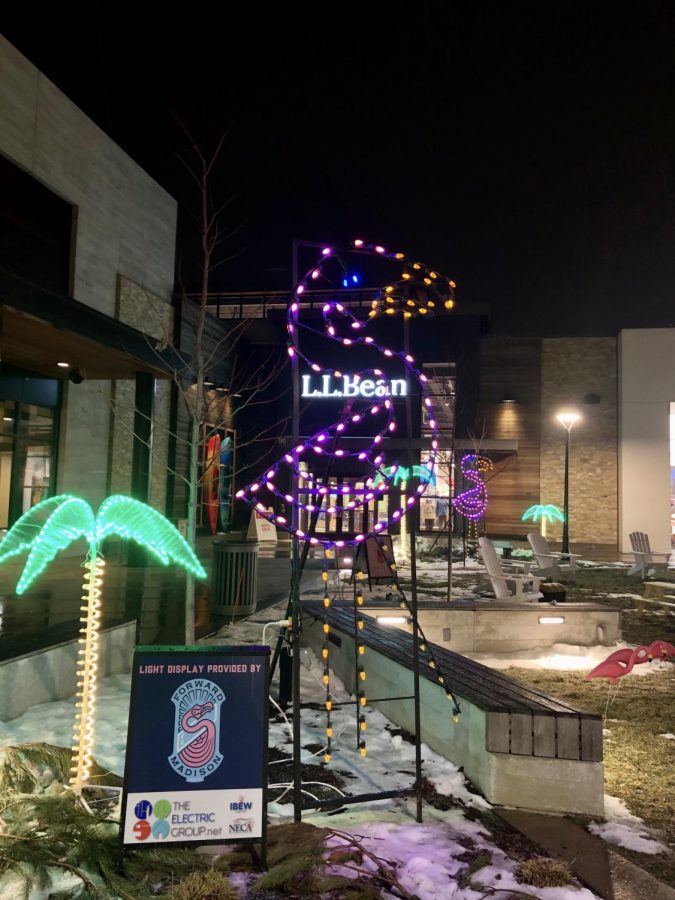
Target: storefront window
435,504
26,458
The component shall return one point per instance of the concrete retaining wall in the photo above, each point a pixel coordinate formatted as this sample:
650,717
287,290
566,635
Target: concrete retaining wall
49,674
497,628
528,782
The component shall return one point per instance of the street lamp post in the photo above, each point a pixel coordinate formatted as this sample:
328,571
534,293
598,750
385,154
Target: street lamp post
567,420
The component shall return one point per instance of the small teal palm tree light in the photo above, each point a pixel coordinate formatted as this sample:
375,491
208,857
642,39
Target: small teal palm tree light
51,526
546,512
401,474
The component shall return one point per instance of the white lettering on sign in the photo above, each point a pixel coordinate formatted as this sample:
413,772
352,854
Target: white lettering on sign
353,386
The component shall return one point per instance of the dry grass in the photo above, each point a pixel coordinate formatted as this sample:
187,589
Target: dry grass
543,872
639,765
210,885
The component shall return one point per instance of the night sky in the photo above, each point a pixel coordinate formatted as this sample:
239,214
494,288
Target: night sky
524,149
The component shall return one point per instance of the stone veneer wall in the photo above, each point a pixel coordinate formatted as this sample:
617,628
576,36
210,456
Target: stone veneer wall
572,369
148,313
124,223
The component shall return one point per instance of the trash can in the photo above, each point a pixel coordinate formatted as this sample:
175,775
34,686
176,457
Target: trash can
552,590
234,579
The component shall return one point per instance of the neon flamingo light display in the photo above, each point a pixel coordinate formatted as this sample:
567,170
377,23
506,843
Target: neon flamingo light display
473,503
416,291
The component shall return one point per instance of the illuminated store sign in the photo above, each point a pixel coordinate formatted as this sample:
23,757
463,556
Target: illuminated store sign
352,386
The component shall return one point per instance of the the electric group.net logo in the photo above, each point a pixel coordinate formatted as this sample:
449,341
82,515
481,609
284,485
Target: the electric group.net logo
145,811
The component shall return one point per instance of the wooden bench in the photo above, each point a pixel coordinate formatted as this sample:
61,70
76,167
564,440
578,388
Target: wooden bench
655,594
521,746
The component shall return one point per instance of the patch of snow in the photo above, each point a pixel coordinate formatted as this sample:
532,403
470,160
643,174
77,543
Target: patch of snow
624,829
426,863
556,656
53,723
627,836
568,657
667,736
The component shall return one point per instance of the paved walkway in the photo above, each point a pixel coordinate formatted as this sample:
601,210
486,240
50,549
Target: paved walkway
603,869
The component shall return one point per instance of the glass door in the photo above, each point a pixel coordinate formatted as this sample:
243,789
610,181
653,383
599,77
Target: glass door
27,444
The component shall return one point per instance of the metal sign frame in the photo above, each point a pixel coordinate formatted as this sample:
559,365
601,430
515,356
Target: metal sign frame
143,655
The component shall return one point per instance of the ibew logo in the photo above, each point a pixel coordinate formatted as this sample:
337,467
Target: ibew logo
242,806
196,732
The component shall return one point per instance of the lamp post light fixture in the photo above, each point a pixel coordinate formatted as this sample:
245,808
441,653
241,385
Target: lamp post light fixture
567,419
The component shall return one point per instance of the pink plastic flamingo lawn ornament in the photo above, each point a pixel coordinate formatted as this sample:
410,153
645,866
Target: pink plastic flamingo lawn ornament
621,662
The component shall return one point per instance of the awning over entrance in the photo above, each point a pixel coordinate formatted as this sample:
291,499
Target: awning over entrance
39,329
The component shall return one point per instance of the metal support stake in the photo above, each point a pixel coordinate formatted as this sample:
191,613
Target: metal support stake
413,517
566,500
295,580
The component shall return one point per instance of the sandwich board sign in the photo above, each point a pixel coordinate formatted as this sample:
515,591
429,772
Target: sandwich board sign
196,761
260,528
378,553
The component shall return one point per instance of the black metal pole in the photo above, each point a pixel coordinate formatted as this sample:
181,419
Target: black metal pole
412,528
295,579
566,501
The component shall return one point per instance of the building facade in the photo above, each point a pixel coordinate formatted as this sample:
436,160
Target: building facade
622,456
86,277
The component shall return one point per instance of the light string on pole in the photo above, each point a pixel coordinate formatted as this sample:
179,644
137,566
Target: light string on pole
473,502
325,678
359,654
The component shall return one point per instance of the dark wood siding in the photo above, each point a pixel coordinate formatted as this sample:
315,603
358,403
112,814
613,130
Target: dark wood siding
511,369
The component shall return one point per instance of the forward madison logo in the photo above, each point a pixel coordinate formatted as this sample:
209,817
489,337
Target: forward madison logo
196,732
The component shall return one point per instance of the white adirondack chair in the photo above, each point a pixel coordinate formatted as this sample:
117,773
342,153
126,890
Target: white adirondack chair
645,556
551,563
526,586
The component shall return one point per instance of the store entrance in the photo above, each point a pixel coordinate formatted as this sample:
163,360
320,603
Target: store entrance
348,522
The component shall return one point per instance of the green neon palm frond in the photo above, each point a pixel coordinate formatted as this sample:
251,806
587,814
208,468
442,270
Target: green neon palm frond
554,513
533,512
425,474
72,519
399,474
543,511
21,535
132,520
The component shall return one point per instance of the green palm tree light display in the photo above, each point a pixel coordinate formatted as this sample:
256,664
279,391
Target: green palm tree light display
401,474
547,512
50,527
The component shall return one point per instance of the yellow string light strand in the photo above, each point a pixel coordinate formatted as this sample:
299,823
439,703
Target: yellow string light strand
359,654
423,644
324,657
88,654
